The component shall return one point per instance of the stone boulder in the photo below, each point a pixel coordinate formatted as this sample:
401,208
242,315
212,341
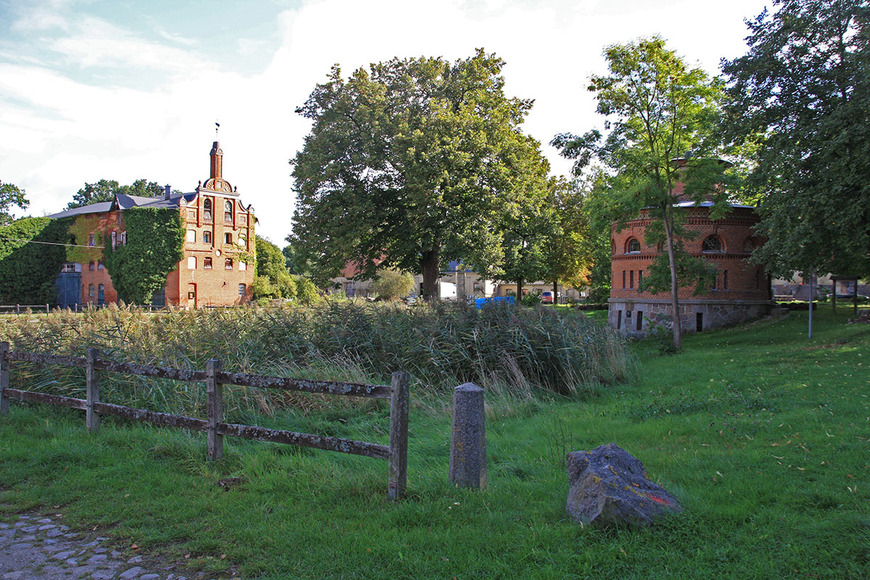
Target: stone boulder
609,487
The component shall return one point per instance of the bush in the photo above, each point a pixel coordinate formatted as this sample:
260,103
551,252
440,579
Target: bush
393,284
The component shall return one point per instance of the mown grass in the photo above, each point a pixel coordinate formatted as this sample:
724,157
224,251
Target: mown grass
760,432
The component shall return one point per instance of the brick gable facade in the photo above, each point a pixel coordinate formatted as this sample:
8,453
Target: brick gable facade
219,246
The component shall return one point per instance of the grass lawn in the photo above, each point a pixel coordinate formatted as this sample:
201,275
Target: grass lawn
760,432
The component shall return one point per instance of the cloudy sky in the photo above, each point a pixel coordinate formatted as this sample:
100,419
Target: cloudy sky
127,89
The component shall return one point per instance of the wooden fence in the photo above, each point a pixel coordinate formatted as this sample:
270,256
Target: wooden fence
396,453
19,308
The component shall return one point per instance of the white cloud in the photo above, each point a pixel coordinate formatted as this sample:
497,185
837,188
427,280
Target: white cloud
60,133
97,43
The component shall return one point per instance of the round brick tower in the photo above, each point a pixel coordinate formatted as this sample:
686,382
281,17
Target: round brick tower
740,292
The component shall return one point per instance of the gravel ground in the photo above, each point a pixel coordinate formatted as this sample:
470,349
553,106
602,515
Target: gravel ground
39,547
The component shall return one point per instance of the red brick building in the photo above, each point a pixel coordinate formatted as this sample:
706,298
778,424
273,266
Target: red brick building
217,268
740,292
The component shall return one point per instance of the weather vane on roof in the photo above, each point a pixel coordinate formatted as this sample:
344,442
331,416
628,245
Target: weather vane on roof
216,127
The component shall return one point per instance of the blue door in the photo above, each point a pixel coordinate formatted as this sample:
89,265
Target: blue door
69,289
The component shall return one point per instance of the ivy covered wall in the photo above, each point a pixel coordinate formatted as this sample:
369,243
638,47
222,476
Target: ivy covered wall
29,260
155,245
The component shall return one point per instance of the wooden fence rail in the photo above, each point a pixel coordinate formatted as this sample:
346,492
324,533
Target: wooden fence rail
396,453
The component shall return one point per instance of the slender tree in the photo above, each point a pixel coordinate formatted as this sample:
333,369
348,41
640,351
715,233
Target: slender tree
660,116
409,161
799,103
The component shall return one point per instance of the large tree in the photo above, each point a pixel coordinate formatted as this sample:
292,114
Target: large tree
105,190
660,115
409,161
10,196
799,102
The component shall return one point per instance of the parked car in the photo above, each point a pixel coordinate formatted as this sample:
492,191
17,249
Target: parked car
547,297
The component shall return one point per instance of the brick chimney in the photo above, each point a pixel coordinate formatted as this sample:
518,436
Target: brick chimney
217,161
167,191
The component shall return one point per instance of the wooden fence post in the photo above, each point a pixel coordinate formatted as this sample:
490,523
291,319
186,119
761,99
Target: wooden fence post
399,435
215,409
92,386
4,376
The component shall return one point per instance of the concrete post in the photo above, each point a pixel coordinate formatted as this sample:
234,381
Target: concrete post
468,439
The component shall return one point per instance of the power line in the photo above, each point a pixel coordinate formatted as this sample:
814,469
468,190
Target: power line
54,244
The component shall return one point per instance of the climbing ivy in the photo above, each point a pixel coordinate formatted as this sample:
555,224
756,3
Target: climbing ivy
155,242
80,230
29,260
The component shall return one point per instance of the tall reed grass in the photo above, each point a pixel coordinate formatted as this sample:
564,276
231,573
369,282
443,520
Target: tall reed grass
511,350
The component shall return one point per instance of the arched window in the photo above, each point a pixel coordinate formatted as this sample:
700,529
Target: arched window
206,209
633,246
712,244
228,212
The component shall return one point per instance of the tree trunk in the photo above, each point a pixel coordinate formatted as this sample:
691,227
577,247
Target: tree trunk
675,287
555,292
519,290
430,266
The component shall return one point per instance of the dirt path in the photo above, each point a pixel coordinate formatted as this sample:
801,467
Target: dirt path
36,547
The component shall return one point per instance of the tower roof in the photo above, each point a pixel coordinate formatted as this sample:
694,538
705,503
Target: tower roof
215,181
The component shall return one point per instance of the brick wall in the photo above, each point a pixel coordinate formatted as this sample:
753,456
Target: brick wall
741,289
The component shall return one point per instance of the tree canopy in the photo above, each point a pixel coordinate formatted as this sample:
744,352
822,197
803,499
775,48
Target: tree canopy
660,115
105,190
798,102
408,161
10,196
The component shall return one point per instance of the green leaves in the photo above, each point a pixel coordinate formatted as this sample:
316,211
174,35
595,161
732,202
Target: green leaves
408,160
10,196
31,256
660,148
155,241
798,102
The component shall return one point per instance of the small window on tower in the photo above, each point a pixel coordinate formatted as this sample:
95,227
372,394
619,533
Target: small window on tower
206,237
191,262
206,263
191,236
228,212
206,209
633,246
228,238
228,264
